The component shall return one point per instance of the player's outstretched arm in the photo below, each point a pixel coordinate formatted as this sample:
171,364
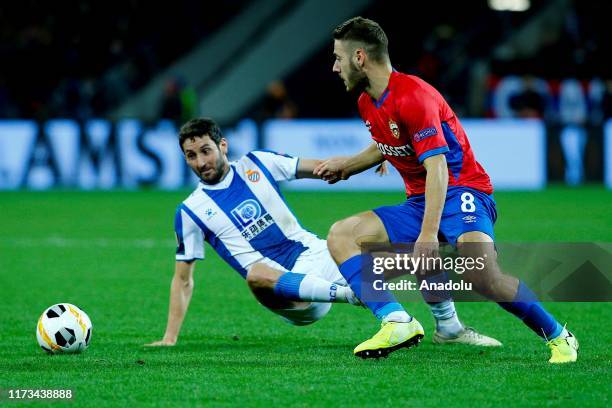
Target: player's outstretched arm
180,296
341,168
305,168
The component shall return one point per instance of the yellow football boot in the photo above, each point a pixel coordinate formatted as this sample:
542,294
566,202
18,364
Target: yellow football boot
564,349
392,336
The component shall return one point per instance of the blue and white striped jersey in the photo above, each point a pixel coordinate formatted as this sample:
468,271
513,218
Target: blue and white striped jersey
245,217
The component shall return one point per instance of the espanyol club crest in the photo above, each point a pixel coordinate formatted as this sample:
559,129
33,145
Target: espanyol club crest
253,175
394,129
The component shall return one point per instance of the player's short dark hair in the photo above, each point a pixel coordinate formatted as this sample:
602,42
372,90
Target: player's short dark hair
200,127
367,32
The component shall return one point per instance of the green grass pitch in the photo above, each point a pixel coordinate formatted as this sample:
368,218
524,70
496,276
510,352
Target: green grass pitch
111,253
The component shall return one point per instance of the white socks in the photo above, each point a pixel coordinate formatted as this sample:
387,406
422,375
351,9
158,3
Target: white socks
315,289
398,316
447,322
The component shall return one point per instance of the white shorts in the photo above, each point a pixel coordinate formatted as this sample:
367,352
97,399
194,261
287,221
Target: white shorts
314,261
317,261
303,317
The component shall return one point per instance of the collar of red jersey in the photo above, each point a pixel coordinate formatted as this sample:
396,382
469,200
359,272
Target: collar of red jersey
378,102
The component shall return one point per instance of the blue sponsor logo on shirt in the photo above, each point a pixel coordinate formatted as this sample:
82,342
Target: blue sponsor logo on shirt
252,219
425,133
246,212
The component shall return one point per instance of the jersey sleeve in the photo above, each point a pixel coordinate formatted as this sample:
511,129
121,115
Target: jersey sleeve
422,119
189,237
282,167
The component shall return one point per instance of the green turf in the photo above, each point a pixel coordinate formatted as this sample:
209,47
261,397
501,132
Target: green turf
112,255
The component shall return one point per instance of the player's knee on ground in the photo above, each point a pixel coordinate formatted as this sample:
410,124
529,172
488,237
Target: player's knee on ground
262,279
261,276
304,316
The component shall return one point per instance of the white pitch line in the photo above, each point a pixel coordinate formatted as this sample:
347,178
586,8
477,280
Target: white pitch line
62,242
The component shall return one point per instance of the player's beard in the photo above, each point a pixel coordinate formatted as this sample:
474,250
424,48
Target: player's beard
356,80
219,171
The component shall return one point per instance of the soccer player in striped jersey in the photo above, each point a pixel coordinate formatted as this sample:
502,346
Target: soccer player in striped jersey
449,193
239,210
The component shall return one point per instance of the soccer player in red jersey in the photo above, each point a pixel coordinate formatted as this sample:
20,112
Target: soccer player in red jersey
449,193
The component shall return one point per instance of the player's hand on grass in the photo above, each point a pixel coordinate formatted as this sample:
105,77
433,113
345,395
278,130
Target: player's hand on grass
332,170
161,343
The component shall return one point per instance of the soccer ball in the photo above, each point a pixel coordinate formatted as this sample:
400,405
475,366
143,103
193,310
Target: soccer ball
63,328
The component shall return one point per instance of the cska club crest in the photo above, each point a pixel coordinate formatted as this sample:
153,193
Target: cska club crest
368,125
394,129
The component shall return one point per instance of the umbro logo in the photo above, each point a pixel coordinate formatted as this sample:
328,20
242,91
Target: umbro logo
468,219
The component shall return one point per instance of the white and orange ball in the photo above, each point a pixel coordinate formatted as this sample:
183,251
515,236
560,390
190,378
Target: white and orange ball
64,328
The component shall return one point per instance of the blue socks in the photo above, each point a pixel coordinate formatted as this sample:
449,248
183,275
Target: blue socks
385,303
527,308
288,285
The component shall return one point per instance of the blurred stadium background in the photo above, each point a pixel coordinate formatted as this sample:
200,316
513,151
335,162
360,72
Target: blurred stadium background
92,93
509,63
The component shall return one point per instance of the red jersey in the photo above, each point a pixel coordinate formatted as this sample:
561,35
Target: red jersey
410,122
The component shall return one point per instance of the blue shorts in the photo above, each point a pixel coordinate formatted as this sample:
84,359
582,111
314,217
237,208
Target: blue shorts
465,210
